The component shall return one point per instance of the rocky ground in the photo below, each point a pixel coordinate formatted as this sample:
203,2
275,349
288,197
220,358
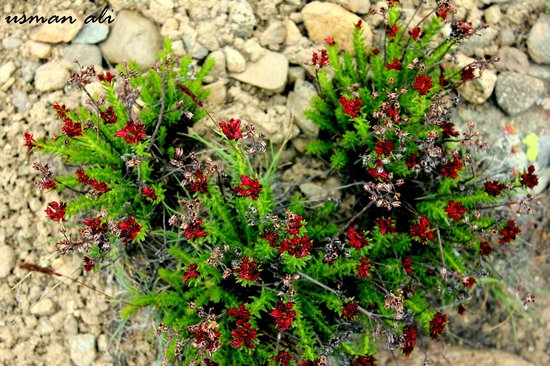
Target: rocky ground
260,47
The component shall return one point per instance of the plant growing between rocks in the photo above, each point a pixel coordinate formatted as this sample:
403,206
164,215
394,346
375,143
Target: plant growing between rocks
251,280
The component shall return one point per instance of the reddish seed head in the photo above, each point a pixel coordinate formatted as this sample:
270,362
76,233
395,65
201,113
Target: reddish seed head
384,147
71,129
485,248
509,232
243,335
194,230
407,266
283,358
109,116
319,59
494,188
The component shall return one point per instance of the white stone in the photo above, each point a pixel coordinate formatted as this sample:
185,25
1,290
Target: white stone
538,41
273,35
83,349
235,62
7,261
44,307
299,101
6,71
269,73
39,49
58,32
50,76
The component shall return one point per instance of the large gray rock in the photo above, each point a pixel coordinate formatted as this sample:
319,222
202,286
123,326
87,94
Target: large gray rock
538,41
83,349
92,33
512,59
299,101
85,54
477,91
270,72
324,20
517,92
132,37
58,32
50,76
241,18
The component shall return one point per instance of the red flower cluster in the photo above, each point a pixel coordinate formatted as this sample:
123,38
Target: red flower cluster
356,240
351,106
194,230
442,81
56,211
468,282
232,130
407,265
294,223
248,187
71,129
461,309
199,184
468,73
330,41
248,269
95,226
30,142
366,360
132,132
296,246
191,272
100,187
109,116
415,33
437,325
493,188
422,84
529,178
395,65
350,311
455,210
509,232
412,161
282,357
385,226
460,28
107,77
409,340
206,338
244,335
363,268
384,147
485,248
448,130
129,229
283,315
319,59
443,11
88,264
450,168
392,32
149,192
241,314
271,236
422,230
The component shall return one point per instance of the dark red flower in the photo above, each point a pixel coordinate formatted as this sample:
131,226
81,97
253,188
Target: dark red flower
351,106
71,129
415,33
442,81
191,272
359,24
232,130
448,129
206,338
412,161
282,357
199,184
208,362
529,178
109,116
366,360
330,41
319,59
107,77
384,147
296,246
56,211
469,282
422,84
461,309
468,73
100,187
509,232
422,230
132,132
455,210
241,314
88,264
363,268
375,51
82,177
283,315
61,111
149,192
407,265
194,230
451,168
47,183
248,187
395,65
376,173
30,142
437,325
355,239
294,223
385,226
96,226
248,269
271,236
392,32
443,11
485,248
243,335
409,340
461,28
350,311
494,188
129,229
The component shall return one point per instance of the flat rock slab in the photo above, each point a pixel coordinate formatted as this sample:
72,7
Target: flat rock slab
516,92
270,72
58,32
